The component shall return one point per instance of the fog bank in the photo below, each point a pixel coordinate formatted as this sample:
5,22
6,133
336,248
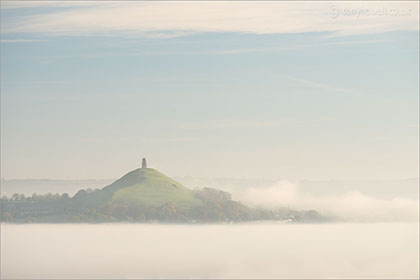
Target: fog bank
210,251
352,206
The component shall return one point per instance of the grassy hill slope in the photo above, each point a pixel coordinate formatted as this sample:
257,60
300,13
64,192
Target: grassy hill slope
144,187
148,187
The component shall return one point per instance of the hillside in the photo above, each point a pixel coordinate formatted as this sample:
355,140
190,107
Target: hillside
148,187
145,187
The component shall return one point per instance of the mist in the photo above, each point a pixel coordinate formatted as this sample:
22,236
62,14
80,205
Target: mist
350,206
262,250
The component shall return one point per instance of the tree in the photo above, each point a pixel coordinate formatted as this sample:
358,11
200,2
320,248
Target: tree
6,217
80,194
141,217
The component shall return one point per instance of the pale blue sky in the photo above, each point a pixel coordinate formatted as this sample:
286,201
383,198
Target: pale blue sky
323,101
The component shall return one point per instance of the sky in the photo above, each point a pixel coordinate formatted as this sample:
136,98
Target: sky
292,90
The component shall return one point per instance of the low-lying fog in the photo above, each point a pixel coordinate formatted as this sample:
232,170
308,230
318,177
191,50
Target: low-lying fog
351,201
261,250
349,206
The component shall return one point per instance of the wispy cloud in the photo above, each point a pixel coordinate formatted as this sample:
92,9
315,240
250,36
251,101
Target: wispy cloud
339,90
137,139
241,123
18,4
20,40
134,18
313,84
236,124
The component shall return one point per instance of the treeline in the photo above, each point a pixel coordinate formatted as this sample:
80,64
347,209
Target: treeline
217,206
43,197
35,197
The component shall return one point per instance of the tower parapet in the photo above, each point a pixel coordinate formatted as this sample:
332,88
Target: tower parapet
143,163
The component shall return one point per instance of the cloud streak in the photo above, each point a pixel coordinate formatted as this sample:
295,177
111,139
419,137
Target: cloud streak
145,18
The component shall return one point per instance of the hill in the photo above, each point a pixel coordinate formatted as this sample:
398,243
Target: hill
148,187
145,187
142,195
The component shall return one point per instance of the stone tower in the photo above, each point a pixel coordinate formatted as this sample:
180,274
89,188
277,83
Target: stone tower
143,163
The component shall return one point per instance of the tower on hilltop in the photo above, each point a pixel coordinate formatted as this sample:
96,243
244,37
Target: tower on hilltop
143,163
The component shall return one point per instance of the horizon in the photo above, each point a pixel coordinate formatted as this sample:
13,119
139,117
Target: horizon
210,177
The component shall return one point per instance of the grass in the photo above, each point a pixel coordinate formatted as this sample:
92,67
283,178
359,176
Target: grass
148,187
